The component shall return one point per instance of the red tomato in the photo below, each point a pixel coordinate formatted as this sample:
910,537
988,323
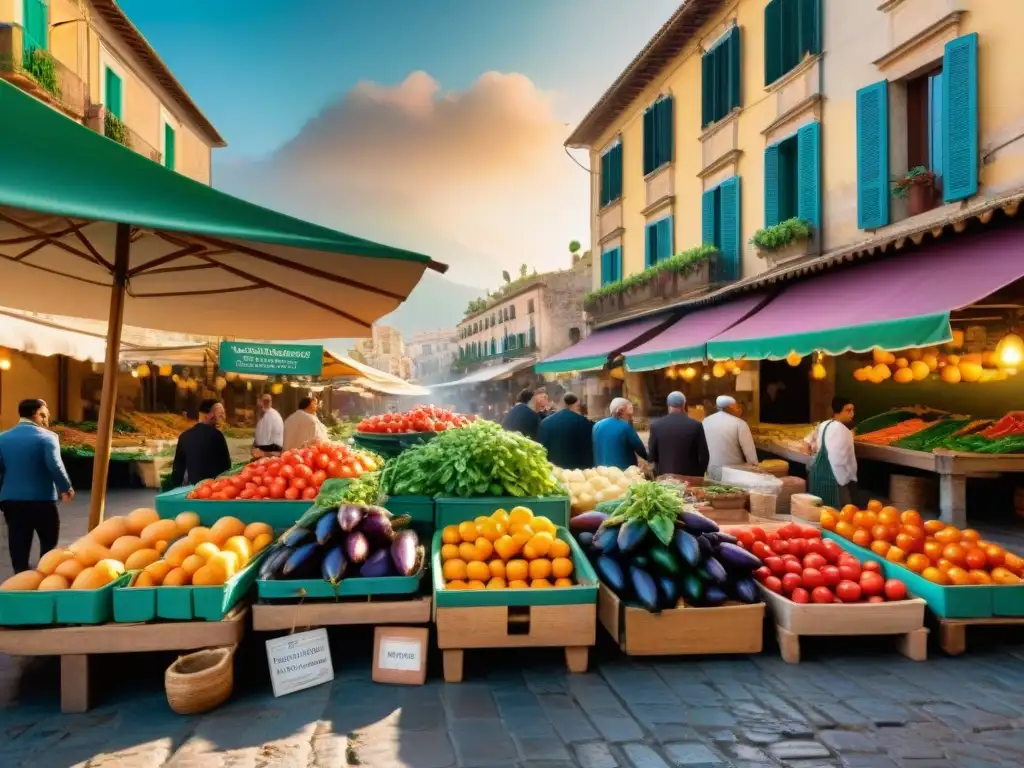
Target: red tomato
318,478
847,559
292,493
247,493
872,583
231,492
809,532
440,426
277,491
762,573
218,496
831,575
303,471
814,560
772,583
812,578
832,551
760,550
776,565
299,482
310,493
204,492
757,532
800,596
348,471
895,590
287,471
872,565
816,546
849,572
746,539
876,599
323,460
793,566
822,595
790,582
263,492
798,547
848,591
780,546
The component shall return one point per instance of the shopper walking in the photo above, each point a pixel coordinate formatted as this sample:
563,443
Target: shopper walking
202,451
304,426
833,472
677,445
616,443
32,476
269,437
524,417
729,439
568,436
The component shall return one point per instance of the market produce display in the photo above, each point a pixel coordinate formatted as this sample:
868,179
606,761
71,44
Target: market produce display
296,474
365,490
481,459
352,541
512,549
169,552
651,548
590,487
419,419
940,553
923,429
909,365
891,434
787,435
803,567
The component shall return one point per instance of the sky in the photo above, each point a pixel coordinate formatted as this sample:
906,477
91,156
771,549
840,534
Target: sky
434,125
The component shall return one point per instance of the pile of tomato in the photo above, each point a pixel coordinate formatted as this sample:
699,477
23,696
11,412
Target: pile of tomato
422,418
293,475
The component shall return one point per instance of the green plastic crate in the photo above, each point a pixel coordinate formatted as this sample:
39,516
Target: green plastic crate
452,511
277,514
58,606
965,602
390,446
135,604
319,589
584,592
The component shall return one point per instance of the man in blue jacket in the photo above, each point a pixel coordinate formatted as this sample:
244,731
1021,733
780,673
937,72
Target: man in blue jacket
616,443
31,476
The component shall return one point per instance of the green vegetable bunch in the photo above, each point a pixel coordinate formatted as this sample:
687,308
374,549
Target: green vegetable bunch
364,490
481,459
656,504
332,493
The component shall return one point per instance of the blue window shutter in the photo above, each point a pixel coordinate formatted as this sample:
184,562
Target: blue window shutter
735,73
650,244
113,96
648,141
935,123
707,217
605,178
667,107
615,173
773,41
729,227
771,185
707,89
808,158
605,271
670,238
960,118
810,26
664,239
873,156
617,265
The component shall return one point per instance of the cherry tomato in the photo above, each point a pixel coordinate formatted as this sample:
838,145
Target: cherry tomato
812,578
814,560
800,596
231,492
760,550
762,573
263,492
790,582
822,595
323,461
310,493
247,493
848,591
204,492
299,482
772,583
871,565
871,583
776,565
895,590
793,566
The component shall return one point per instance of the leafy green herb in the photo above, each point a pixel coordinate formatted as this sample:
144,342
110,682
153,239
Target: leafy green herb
364,490
782,234
657,504
332,493
683,263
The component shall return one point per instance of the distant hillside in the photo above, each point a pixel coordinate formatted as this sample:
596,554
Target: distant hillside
434,304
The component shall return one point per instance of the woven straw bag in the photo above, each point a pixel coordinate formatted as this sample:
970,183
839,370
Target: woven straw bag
200,681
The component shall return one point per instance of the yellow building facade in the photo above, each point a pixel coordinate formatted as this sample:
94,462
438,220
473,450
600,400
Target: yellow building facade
747,113
88,60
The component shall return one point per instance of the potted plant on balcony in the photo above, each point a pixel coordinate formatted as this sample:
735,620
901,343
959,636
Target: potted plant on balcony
676,276
918,186
784,241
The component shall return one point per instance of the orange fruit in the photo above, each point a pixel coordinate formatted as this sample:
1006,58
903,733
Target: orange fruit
480,520
484,549
935,575
847,513
497,568
455,584
199,534
540,568
931,527
454,570
559,548
541,524
205,550
176,578
908,543
917,562
911,517
975,558
895,555
539,545
450,535
449,552
933,549
914,531
864,519
474,584
241,547
478,571
979,577
467,551
1014,562
880,548
845,529
261,542
520,515
995,555
1004,576
252,530
517,570
958,576
882,533
828,519
944,565
889,516
468,531
491,530
192,564
519,584
497,583
500,516
507,547
862,538
521,529
563,582
561,567
948,535
969,534
955,554
540,584
875,506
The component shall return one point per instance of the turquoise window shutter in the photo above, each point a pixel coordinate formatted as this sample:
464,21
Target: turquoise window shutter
169,147
605,271
617,265
667,105
707,89
668,237
772,41
36,29
732,50
615,162
810,26
605,178
873,156
771,185
960,118
648,140
113,96
729,228
808,154
650,244
707,218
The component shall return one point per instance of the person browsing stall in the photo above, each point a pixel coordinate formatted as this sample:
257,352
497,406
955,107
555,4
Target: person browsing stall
729,439
616,443
202,451
269,437
568,436
833,471
677,445
304,426
524,417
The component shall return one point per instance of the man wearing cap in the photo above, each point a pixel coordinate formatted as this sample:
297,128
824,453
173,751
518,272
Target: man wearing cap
729,439
677,445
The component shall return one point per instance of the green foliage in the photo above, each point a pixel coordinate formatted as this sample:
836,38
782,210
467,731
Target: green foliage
683,263
916,175
574,246
43,70
115,130
782,234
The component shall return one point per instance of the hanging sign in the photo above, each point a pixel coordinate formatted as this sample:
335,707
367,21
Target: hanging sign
271,359
299,661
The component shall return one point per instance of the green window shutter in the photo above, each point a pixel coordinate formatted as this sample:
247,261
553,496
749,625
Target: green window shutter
960,118
169,146
36,29
772,41
771,185
533,336
731,49
113,98
648,140
729,228
605,178
873,156
809,13
605,271
668,110
651,244
615,173
708,226
707,89
617,265
666,239
808,157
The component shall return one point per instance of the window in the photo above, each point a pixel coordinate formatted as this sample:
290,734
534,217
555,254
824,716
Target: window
36,29
529,308
512,312
657,135
720,227
611,266
791,178
611,174
169,146
520,340
494,346
426,349
658,241
113,99
533,337
720,78
792,29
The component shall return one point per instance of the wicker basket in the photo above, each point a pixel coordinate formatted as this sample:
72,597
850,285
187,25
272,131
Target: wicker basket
200,681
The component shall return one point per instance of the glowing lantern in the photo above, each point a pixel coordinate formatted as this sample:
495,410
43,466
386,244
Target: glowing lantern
165,370
818,372
670,373
718,370
5,364
220,383
276,388
689,373
248,386
143,371
176,379
793,359
1010,351
135,374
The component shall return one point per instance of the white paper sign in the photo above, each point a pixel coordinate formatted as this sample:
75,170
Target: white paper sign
401,654
299,661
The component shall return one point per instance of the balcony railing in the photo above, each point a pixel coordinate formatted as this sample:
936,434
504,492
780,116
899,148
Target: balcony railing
40,74
107,123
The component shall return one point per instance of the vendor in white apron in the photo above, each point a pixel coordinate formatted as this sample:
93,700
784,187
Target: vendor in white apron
833,471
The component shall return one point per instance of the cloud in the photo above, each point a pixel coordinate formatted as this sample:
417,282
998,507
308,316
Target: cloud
476,178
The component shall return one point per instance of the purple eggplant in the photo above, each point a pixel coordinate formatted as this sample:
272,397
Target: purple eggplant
587,522
736,558
349,517
357,547
697,523
403,552
379,527
377,565
334,564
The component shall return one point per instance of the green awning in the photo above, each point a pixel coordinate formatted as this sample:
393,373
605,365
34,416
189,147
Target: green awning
594,352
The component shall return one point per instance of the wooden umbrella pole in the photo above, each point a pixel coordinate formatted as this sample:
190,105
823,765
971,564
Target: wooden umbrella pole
108,394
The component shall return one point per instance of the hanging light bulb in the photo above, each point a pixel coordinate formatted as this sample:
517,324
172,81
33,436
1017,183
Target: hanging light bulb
670,373
165,370
248,386
818,372
276,388
1010,351
689,373
231,376
718,370
143,371
135,373
793,359
706,377
5,364
220,383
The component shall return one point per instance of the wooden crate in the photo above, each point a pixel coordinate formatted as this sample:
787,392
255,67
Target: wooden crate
267,617
953,632
734,628
903,618
75,645
572,627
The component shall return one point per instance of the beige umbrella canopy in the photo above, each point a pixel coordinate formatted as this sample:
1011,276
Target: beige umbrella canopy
89,228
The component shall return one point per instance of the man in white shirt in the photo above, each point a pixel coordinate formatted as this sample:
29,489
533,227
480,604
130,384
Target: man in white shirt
729,439
833,471
304,427
269,437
